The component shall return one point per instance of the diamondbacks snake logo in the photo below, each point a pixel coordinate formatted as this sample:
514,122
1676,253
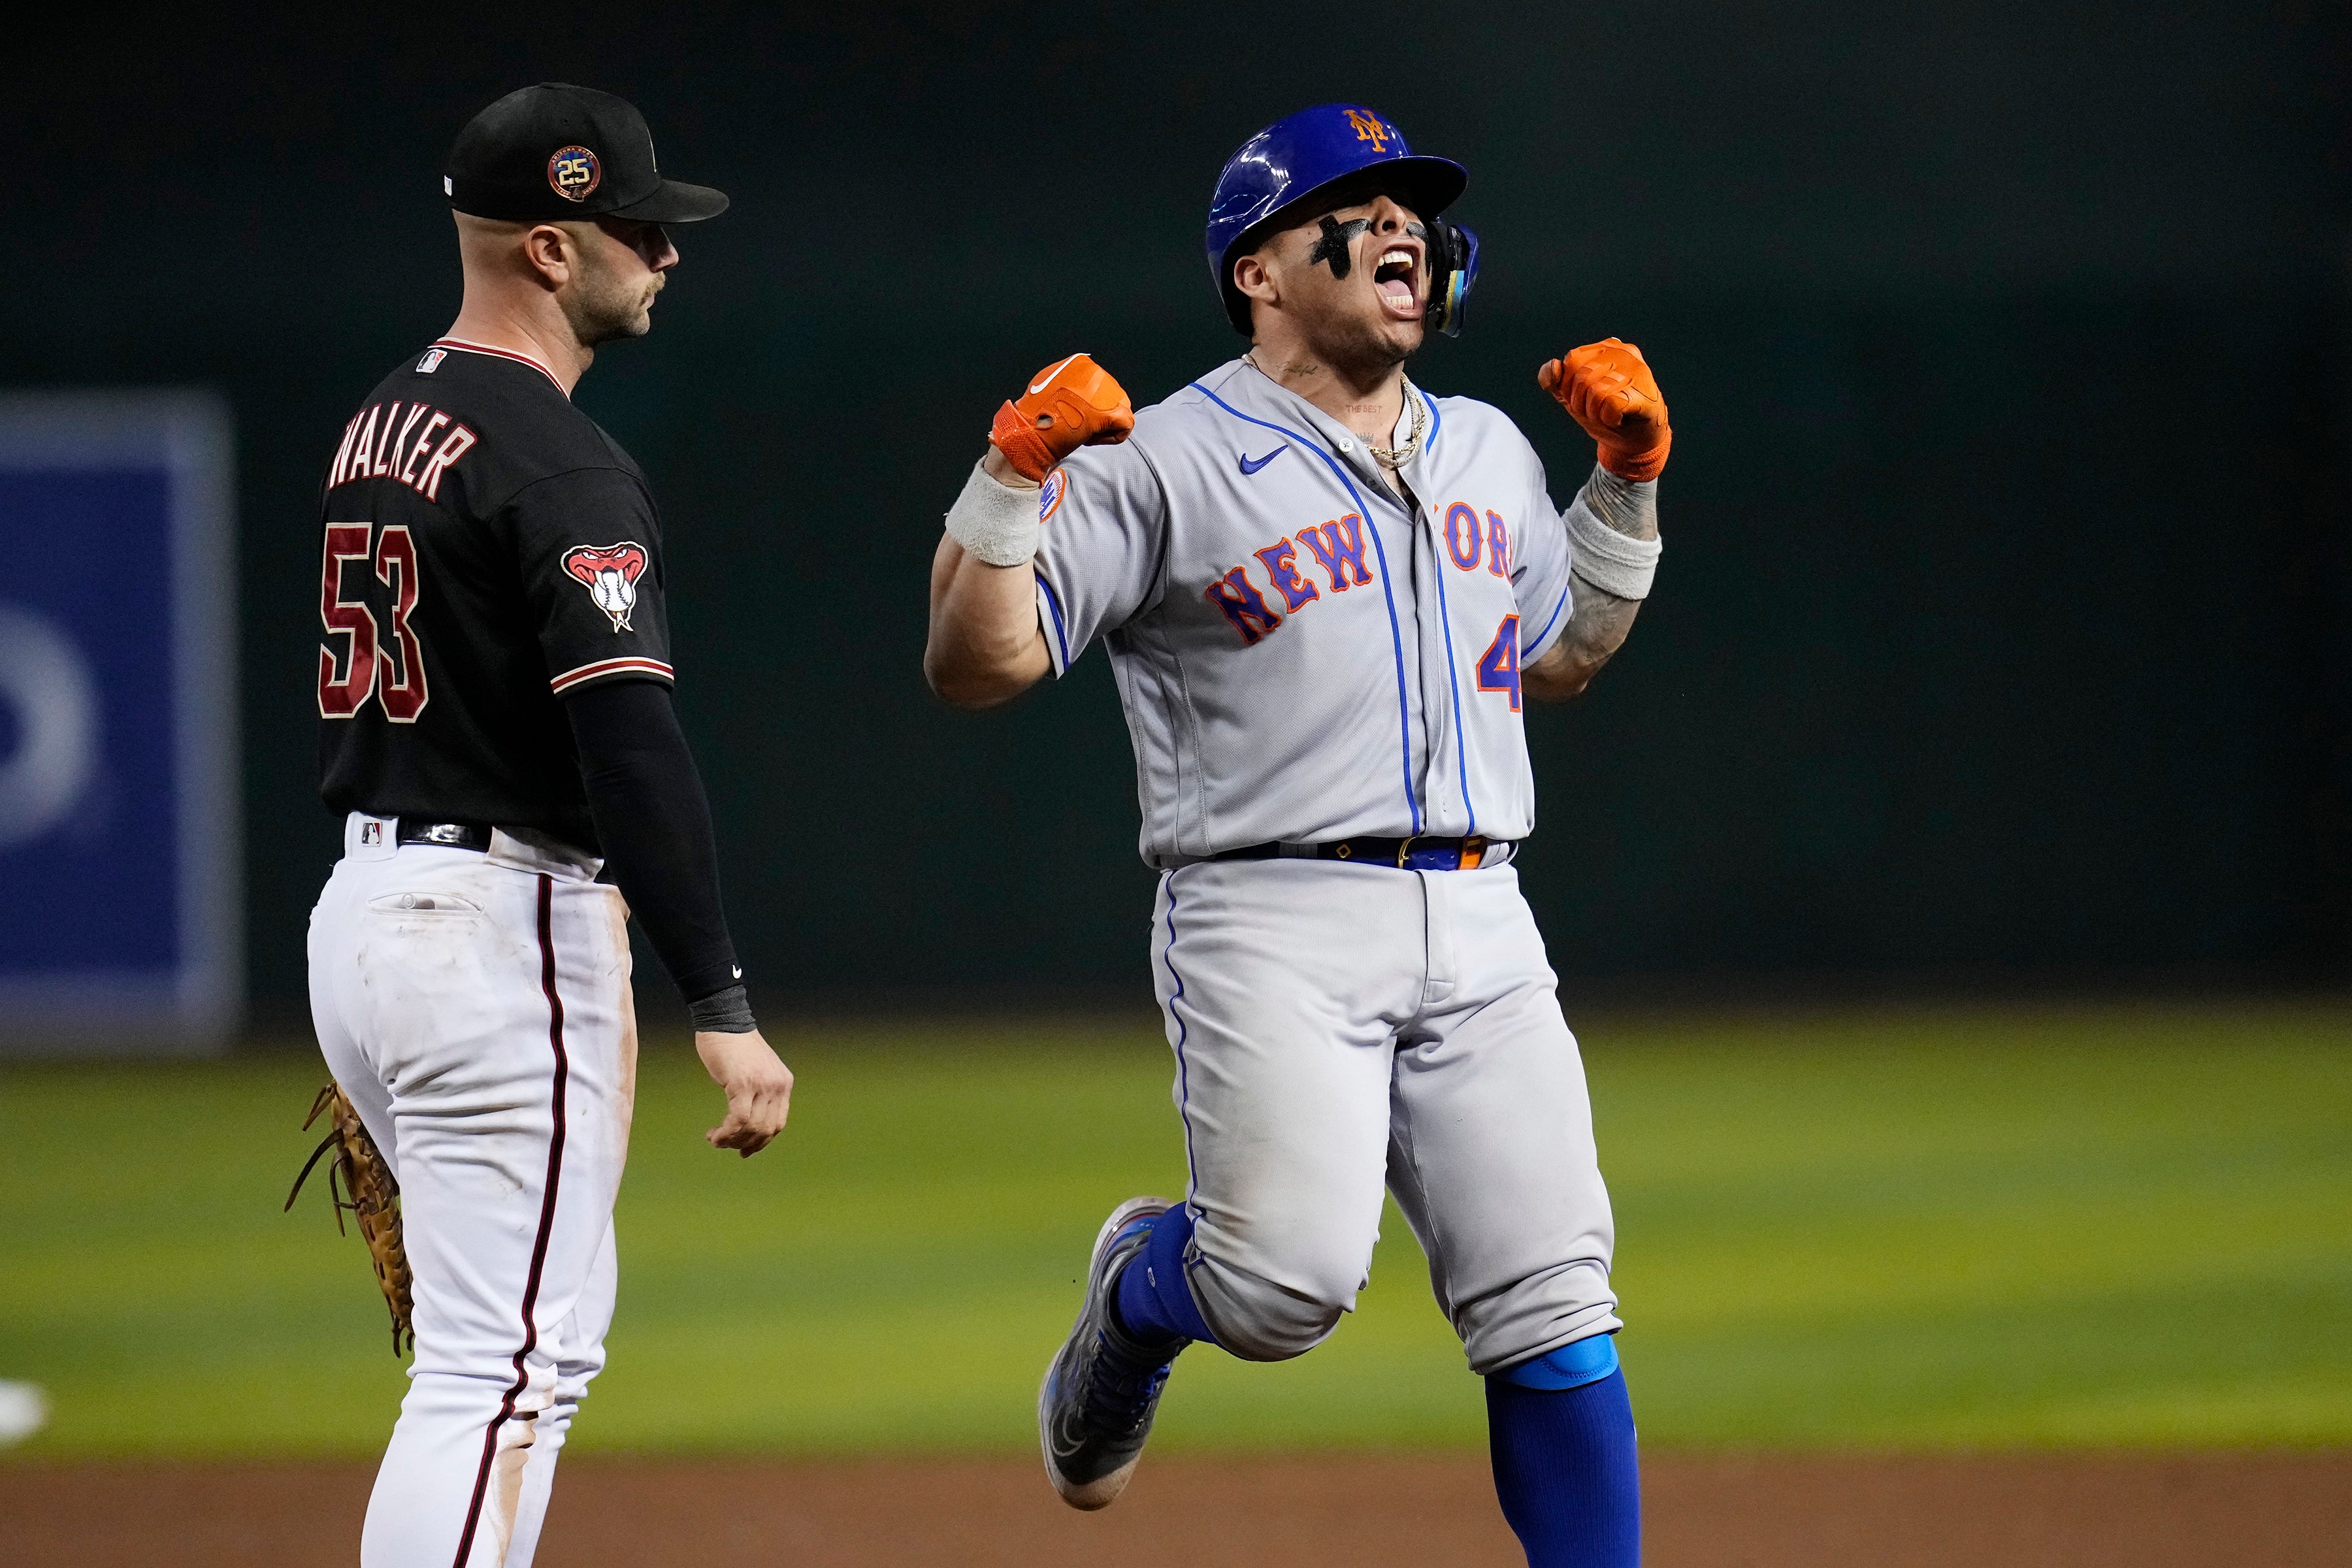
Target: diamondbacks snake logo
610,574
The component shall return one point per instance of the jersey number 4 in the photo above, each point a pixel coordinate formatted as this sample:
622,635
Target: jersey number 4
1498,667
367,669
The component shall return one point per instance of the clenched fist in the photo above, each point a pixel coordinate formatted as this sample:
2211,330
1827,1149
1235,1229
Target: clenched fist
758,1088
1607,387
1069,405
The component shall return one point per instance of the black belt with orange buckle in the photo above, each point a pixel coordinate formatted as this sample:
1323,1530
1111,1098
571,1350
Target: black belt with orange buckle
1420,853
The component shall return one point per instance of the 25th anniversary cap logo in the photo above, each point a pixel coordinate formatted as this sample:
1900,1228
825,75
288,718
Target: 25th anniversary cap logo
575,172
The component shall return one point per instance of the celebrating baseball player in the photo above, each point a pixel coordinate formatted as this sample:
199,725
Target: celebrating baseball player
1327,595
494,691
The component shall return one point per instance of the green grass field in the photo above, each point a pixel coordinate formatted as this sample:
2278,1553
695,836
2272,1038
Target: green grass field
2084,1228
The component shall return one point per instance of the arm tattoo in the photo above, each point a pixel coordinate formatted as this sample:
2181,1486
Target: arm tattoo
1599,621
1631,508
1598,625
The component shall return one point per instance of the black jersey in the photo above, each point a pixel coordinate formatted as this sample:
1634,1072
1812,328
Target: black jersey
488,549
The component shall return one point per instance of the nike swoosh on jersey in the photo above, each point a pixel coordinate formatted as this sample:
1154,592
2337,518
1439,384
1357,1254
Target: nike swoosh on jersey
1252,465
1047,379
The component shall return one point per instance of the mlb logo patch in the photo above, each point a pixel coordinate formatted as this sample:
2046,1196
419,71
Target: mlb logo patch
431,362
371,835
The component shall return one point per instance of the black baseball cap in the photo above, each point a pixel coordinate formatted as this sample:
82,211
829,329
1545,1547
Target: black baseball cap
546,153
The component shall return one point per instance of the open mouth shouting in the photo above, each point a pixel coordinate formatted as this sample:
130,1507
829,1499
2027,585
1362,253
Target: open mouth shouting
1397,279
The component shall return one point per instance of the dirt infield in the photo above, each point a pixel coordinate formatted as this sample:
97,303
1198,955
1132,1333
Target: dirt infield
2261,1511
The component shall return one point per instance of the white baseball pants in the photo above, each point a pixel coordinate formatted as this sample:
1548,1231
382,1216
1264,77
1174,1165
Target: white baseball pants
1338,1026
476,1009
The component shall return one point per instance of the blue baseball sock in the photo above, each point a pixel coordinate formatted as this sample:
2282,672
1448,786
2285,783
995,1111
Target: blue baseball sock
1152,1302
1561,1428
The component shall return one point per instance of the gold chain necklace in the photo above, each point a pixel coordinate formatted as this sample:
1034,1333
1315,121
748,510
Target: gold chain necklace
1398,457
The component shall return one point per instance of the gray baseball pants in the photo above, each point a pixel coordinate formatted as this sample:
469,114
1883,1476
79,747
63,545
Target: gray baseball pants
1336,1027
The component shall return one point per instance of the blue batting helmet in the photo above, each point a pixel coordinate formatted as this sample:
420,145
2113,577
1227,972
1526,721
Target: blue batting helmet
1296,157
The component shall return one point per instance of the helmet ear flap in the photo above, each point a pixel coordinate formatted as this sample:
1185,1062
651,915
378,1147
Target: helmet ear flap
1454,268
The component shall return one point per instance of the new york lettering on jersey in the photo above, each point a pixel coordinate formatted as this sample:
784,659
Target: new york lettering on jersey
486,549
1303,655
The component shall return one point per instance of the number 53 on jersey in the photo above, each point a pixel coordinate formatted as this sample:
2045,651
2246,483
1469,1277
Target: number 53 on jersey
358,660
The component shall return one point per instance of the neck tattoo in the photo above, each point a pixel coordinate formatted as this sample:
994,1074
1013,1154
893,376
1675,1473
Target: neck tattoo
1388,457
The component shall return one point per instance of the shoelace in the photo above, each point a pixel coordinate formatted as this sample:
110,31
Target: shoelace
1120,1393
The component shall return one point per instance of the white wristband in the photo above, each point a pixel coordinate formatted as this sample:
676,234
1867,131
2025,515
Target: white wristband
1611,561
995,521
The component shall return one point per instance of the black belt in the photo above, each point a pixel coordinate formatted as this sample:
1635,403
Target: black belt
1420,853
446,835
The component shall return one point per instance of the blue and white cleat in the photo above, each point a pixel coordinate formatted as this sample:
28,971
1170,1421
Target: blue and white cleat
1095,1407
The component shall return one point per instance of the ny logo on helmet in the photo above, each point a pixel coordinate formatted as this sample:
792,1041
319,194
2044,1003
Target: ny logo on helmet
1369,129
610,574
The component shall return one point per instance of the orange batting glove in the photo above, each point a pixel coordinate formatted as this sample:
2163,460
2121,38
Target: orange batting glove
1607,387
1069,405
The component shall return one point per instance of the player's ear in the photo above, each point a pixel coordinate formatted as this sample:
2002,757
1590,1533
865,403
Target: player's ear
550,252
1254,277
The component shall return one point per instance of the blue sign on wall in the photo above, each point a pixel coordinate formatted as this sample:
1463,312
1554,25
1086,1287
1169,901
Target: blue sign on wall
121,896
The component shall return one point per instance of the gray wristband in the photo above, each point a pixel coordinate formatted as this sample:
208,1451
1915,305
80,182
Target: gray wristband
726,1012
1603,523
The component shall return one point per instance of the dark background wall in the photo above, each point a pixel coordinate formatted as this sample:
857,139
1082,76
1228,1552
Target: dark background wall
2004,627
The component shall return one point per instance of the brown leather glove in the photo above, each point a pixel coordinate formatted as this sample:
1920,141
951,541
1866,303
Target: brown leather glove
359,1181
1069,405
1607,387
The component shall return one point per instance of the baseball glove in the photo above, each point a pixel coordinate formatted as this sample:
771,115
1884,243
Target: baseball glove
359,1181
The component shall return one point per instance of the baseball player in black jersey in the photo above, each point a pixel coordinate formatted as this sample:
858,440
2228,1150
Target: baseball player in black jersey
496,727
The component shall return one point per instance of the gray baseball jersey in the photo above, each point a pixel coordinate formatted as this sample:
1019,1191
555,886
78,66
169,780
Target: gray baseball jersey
1300,656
